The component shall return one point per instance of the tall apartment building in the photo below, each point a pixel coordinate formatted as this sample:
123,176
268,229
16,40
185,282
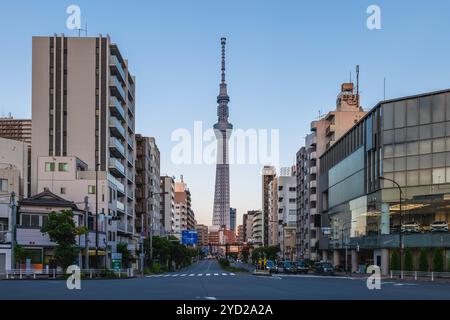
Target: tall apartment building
233,213
13,178
83,107
147,187
247,222
203,238
167,205
257,228
268,175
287,213
184,215
273,212
324,133
15,129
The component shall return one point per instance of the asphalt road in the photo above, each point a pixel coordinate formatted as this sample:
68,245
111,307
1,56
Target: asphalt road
207,281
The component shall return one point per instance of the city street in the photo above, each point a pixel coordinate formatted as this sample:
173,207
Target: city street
207,281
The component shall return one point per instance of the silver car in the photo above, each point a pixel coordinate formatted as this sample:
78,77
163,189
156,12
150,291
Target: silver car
439,226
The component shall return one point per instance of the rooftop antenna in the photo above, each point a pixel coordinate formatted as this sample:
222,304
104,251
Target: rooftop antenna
357,83
85,31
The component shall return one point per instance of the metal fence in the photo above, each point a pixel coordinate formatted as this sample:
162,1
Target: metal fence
59,273
420,274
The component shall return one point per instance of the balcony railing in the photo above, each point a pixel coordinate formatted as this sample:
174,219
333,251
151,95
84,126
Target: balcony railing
120,186
130,228
116,167
117,148
117,66
121,226
116,127
116,108
120,206
130,159
116,88
130,140
130,176
130,211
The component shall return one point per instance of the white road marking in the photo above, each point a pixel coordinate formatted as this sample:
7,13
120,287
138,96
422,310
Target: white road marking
208,274
166,275
183,275
192,274
232,274
199,275
224,274
210,298
216,274
175,275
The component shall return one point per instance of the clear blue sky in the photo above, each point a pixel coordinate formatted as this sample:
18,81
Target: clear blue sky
286,61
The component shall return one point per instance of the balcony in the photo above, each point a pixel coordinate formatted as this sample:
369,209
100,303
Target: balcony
116,108
131,92
313,170
313,184
117,68
130,177
313,198
130,211
131,126
117,168
130,140
131,107
130,159
120,186
313,155
116,88
121,226
130,228
330,130
120,206
116,147
116,128
130,194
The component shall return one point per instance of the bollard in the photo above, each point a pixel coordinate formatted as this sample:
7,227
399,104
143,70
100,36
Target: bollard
392,274
90,273
415,275
432,276
34,275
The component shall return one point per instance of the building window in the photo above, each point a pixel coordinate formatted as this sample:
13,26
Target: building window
30,220
3,185
91,189
63,167
49,167
63,190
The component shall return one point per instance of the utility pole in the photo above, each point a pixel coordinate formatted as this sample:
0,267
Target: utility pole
86,224
13,226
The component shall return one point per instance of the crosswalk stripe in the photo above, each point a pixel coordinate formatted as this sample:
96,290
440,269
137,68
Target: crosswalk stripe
216,274
175,275
224,274
199,275
183,275
208,274
232,274
166,275
192,274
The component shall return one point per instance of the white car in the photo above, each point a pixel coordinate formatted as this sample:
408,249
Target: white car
411,227
439,226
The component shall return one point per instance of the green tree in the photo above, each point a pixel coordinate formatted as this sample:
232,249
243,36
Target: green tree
395,261
62,230
245,255
127,257
20,254
423,260
438,261
409,265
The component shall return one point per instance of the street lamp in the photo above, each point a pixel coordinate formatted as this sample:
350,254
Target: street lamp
400,218
96,214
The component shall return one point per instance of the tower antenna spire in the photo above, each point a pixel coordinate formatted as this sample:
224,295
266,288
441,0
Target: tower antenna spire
224,42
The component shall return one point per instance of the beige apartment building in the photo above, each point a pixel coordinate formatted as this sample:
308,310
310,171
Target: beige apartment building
15,129
167,205
324,133
83,108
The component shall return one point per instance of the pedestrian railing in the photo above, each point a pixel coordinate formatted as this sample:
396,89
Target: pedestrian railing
59,273
420,274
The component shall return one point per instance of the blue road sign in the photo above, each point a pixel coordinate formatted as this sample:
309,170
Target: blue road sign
189,237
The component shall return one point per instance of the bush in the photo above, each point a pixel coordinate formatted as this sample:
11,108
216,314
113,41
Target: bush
224,263
409,265
423,260
395,261
438,261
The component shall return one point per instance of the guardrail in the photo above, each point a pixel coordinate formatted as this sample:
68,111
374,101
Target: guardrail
58,273
419,274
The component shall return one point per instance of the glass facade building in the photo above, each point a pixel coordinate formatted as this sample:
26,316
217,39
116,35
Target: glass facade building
406,140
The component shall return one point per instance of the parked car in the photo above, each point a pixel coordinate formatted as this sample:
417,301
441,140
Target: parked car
271,266
410,227
289,267
439,226
302,267
324,268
